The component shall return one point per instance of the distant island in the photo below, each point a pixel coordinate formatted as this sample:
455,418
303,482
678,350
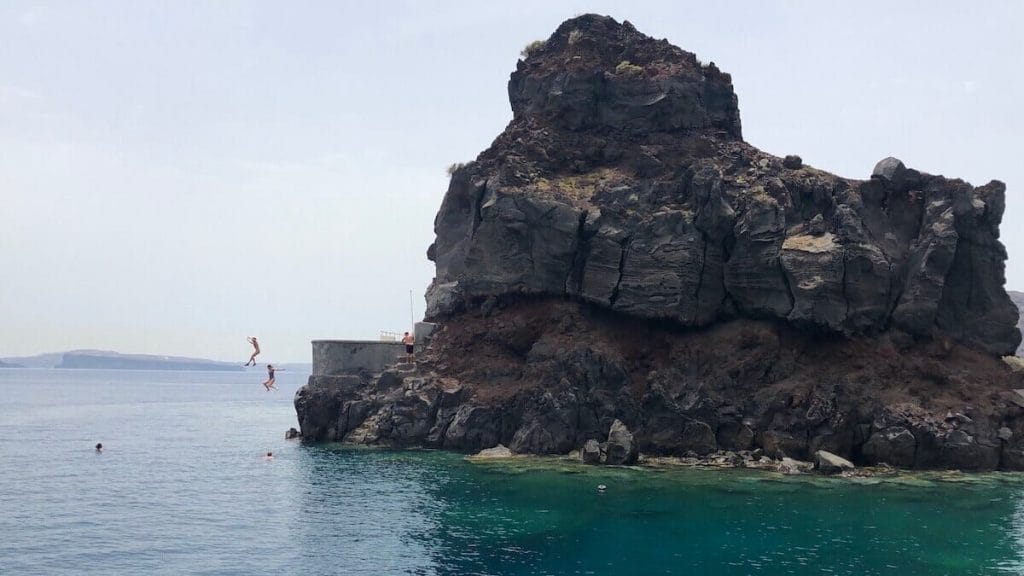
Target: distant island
107,360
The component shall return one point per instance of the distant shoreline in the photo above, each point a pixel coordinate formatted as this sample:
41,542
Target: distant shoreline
291,367
109,360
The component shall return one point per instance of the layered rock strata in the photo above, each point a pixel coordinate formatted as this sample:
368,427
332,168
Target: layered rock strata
721,297
631,188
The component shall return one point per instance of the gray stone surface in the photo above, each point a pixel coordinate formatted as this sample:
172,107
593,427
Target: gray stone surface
591,452
828,463
895,445
621,447
891,170
498,452
792,466
920,260
423,332
335,357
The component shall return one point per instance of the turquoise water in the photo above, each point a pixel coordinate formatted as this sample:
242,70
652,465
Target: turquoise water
182,488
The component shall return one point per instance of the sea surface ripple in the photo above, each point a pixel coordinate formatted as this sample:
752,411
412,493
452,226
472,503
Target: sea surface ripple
182,487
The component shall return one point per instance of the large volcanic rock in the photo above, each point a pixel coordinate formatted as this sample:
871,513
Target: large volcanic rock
623,181
619,254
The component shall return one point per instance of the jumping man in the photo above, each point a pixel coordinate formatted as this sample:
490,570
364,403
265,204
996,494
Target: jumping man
269,384
255,353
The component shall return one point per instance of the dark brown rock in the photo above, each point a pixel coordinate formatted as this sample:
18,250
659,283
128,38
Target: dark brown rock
756,385
616,77
893,446
698,437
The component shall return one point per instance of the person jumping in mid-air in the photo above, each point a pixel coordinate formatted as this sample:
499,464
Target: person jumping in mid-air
269,384
255,353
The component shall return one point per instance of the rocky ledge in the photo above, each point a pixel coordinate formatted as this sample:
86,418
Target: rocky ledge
620,254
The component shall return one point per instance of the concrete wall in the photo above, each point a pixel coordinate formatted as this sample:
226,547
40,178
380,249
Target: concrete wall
334,357
423,333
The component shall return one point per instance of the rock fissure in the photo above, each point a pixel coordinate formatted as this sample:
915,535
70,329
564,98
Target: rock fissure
478,210
574,276
623,253
700,278
846,298
789,289
897,277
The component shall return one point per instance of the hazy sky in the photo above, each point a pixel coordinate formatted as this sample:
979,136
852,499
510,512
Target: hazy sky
175,176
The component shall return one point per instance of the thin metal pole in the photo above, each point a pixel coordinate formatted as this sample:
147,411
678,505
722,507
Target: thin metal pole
412,322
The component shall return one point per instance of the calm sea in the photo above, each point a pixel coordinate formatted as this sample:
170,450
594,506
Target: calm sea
182,488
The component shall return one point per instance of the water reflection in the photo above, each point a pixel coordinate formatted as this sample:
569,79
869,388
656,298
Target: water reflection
182,488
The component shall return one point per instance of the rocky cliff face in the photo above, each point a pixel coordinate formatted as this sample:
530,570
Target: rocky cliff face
723,297
623,181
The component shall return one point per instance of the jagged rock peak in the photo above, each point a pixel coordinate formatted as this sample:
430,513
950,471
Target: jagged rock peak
595,73
632,191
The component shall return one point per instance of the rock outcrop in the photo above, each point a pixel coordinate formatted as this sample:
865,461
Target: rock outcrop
620,254
623,181
828,463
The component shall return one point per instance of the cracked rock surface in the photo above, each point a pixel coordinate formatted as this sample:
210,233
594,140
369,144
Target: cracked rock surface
635,192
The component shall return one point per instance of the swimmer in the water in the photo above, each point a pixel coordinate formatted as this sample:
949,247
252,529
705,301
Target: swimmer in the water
269,456
99,448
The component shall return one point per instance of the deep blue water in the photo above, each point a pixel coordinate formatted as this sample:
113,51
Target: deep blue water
182,488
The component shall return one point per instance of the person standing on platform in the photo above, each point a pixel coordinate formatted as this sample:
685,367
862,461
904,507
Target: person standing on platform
410,345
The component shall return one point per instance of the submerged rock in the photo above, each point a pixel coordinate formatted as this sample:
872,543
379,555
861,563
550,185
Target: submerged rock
792,466
498,451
